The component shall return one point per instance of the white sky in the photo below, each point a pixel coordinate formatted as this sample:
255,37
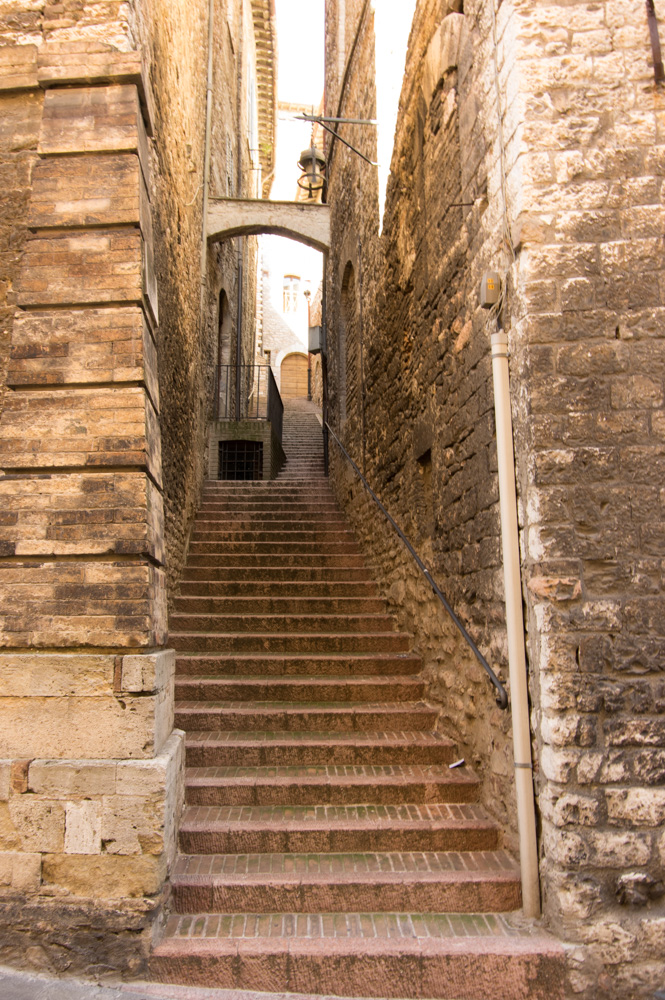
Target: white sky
300,41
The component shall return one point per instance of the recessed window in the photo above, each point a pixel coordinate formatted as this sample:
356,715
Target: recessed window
267,355
291,292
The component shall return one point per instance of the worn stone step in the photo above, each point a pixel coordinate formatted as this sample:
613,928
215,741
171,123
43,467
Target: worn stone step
295,534
278,606
385,955
300,717
250,529
217,748
264,642
279,589
267,560
441,881
271,520
331,784
334,544
278,574
287,623
301,688
320,666
315,829
315,500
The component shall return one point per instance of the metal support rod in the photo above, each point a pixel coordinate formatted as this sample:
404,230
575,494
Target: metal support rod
352,148
658,69
320,119
519,693
502,694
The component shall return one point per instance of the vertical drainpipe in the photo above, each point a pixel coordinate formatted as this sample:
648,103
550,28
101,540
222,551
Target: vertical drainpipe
519,695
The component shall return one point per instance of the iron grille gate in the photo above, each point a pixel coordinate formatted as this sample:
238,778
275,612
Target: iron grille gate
240,460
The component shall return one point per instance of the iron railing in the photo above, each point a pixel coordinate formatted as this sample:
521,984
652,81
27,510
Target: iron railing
249,392
502,694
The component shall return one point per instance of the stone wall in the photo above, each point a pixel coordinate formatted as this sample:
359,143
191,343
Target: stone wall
577,232
109,384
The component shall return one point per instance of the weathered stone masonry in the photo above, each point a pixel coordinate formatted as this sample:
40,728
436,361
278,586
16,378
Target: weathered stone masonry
581,141
103,111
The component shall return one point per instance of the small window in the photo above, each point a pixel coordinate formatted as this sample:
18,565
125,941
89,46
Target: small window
267,355
291,292
240,460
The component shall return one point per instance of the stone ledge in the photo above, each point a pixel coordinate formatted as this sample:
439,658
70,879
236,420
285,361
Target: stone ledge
60,64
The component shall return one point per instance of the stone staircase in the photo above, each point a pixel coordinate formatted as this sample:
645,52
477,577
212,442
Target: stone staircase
327,846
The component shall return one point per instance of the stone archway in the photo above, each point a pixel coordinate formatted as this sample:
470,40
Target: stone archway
308,224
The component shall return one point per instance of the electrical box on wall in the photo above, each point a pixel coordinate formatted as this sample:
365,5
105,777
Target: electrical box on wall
490,289
315,340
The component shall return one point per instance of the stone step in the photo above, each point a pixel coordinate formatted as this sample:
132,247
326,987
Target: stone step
268,559
279,574
220,519
212,529
279,589
302,688
441,881
298,666
332,784
283,829
217,748
282,716
278,606
293,534
291,643
281,624
385,955
337,543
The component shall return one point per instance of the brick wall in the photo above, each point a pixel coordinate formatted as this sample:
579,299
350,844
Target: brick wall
580,244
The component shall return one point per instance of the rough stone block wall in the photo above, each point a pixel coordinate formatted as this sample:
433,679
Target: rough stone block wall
585,195
175,40
577,233
417,373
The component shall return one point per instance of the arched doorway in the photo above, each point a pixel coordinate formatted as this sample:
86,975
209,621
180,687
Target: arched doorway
293,377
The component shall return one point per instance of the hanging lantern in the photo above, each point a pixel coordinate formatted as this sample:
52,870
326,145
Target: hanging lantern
312,163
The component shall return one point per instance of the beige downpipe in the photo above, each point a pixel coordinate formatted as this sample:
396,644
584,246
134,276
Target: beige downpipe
519,697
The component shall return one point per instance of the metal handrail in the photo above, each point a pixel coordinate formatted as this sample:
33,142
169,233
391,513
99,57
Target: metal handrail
502,694
248,392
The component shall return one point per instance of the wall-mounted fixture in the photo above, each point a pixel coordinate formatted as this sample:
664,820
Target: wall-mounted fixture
313,164
490,289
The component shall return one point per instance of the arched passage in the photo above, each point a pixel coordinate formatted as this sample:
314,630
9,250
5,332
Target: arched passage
308,224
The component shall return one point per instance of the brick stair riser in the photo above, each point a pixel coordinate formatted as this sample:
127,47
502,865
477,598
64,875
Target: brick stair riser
295,532
283,624
418,969
298,666
341,794
326,841
275,720
276,606
264,561
278,574
196,689
288,644
496,893
263,590
209,754
335,544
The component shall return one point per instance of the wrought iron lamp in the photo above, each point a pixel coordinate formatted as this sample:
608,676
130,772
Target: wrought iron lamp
312,163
